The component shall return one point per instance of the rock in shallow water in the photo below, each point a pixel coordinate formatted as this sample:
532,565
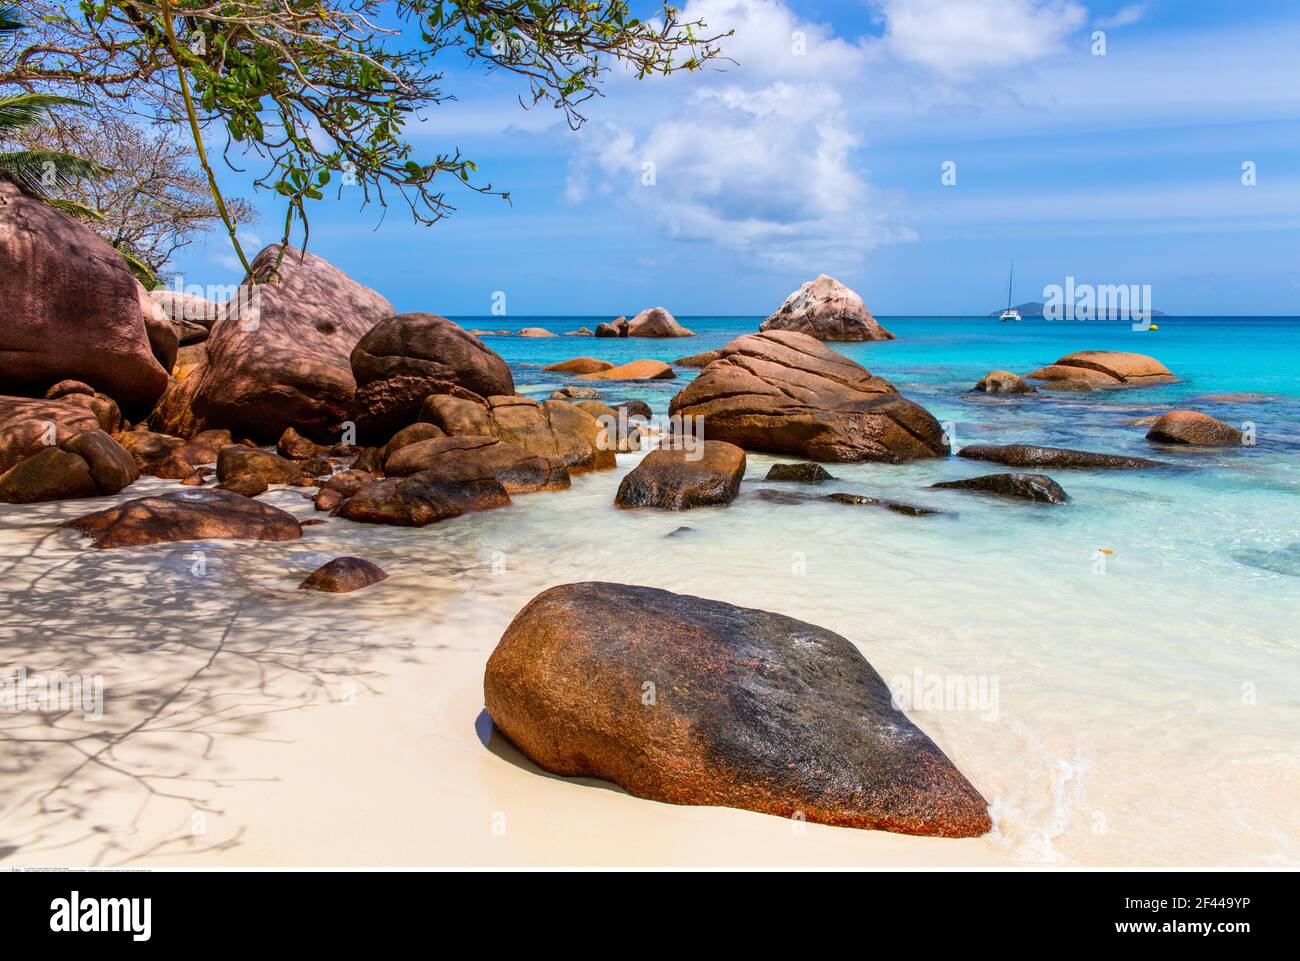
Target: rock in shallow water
1003,382
1032,487
1195,429
824,308
343,575
675,479
799,473
428,496
1086,369
1032,455
188,515
693,701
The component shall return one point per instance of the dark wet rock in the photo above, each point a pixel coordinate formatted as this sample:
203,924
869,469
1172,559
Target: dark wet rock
1032,455
799,473
680,531
344,575
1194,428
607,330
681,478
371,460
1032,487
111,467
787,393
751,710
194,514
518,470
898,507
634,408
409,435
148,447
1003,382
426,497
317,467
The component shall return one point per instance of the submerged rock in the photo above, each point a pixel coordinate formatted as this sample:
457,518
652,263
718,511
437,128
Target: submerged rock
1194,428
898,507
827,310
746,709
1032,487
799,473
1003,382
786,393
343,575
1031,455
193,514
676,479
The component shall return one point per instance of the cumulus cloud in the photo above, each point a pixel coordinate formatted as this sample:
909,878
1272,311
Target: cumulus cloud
760,158
963,37
1123,17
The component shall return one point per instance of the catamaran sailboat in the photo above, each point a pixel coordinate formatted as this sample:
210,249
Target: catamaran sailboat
1009,313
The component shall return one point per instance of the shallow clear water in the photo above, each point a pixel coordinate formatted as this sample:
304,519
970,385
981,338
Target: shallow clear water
1148,699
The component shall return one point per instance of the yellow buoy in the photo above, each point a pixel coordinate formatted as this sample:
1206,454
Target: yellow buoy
1154,327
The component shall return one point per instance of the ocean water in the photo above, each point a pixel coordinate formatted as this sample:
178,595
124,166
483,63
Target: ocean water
1143,641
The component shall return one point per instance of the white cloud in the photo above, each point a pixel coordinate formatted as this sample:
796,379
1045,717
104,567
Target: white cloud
961,37
1123,17
758,158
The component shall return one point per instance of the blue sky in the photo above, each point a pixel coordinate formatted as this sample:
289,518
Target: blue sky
1122,168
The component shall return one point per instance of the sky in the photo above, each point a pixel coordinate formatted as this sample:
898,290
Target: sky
910,148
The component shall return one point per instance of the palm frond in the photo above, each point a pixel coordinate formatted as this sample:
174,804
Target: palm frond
9,22
71,207
143,272
28,109
44,173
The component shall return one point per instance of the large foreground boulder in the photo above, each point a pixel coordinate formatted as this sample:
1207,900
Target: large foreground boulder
187,515
827,310
279,356
656,322
1089,369
519,471
1032,455
404,359
692,701
71,308
553,428
1193,428
786,393
702,474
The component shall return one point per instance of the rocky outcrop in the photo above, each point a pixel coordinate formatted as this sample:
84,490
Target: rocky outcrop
1030,487
827,310
455,488
553,428
537,332
279,357
799,473
518,470
344,575
409,435
703,474
656,322
1031,455
1003,382
578,365
75,392
692,701
28,425
50,475
194,514
405,358
1090,369
1193,428
786,393
634,370
72,309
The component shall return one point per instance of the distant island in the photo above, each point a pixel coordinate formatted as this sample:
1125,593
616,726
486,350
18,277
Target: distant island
1034,308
